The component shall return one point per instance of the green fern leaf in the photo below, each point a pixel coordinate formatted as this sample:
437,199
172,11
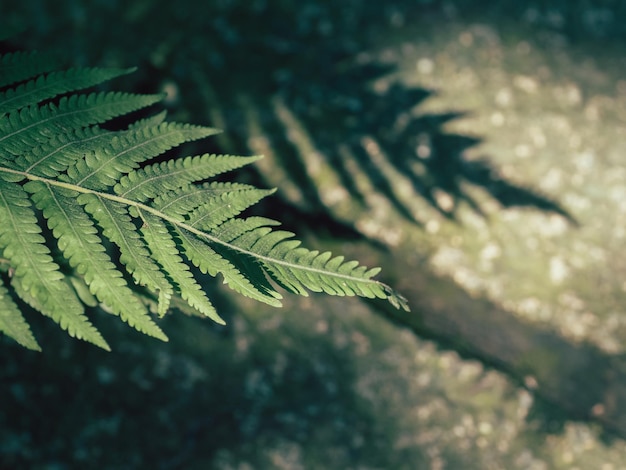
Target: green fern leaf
38,124
153,180
233,229
190,197
61,151
151,121
219,209
122,230
166,252
35,273
12,322
104,167
211,262
19,66
53,84
117,226
83,248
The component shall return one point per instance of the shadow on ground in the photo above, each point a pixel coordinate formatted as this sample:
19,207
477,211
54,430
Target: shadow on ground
357,120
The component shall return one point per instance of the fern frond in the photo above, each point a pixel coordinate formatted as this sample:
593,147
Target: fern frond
121,227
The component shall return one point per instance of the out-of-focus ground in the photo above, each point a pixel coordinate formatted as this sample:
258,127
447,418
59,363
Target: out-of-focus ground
478,148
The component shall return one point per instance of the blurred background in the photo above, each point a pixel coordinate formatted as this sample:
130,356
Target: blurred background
472,149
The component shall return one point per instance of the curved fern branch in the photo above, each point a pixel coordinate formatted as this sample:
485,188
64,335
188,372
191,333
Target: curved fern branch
96,188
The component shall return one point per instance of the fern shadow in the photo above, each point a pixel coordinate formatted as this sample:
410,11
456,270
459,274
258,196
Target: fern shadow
318,102
391,140
317,99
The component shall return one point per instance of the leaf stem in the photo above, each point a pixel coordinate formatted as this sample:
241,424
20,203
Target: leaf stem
183,225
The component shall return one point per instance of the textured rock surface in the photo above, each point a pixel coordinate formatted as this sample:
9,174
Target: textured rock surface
326,383
531,298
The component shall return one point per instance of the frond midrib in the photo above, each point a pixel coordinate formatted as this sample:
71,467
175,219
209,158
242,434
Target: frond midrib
200,233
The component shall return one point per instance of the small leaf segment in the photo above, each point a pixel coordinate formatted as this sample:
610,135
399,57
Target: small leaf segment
70,190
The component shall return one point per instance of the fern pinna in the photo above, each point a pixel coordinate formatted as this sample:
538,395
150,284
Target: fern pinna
95,188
